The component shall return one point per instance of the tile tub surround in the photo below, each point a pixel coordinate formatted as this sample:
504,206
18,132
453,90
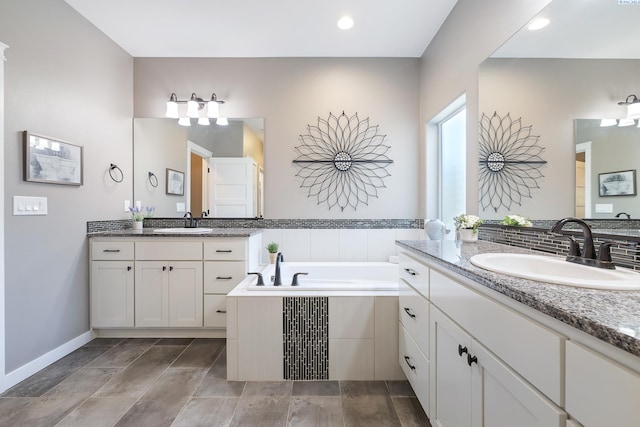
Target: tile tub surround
611,316
187,387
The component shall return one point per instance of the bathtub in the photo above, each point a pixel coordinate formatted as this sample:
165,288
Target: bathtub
329,276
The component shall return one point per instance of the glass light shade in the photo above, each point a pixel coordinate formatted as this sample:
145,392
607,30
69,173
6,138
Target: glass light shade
222,121
626,122
608,122
213,109
172,110
184,121
204,121
633,111
192,109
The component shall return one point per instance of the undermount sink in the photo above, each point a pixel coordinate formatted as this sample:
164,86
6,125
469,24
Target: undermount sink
556,270
183,230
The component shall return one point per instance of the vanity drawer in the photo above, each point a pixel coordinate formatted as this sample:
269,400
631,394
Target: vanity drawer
112,251
222,276
415,366
414,315
225,250
169,250
215,311
415,273
532,350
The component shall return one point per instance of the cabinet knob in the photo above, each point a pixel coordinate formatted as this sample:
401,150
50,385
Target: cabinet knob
471,360
128,268
406,359
170,268
164,268
409,313
461,350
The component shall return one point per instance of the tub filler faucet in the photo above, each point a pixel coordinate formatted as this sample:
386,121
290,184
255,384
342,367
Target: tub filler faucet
277,281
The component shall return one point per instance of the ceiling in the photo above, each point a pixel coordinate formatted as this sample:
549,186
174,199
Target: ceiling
273,28
580,29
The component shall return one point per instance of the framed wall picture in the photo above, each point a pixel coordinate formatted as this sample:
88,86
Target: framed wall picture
175,182
621,183
51,160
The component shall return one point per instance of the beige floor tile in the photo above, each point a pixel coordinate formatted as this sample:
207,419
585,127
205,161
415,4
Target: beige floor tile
207,412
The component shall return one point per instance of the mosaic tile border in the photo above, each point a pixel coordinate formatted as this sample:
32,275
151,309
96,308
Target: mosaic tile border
305,326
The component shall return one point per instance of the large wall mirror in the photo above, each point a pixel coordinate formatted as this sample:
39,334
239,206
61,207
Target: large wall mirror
218,170
578,67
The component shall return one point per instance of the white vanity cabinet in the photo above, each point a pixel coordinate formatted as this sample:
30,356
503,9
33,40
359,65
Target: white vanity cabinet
112,285
168,284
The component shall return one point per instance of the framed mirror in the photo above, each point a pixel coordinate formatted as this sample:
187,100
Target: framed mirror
222,167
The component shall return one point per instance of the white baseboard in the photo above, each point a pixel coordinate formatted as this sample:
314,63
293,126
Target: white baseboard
25,371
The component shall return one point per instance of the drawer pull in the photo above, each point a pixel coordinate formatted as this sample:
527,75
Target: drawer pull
462,350
471,360
409,313
406,359
224,278
223,251
411,272
112,251
221,311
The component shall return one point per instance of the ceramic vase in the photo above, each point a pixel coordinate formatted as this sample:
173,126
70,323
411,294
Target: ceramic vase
272,257
434,229
137,225
468,235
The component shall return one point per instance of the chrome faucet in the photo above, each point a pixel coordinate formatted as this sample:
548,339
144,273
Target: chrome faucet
277,281
588,255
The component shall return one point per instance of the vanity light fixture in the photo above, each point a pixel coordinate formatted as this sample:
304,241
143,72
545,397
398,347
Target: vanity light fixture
608,122
633,106
197,108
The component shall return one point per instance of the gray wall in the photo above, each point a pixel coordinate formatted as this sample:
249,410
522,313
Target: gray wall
449,68
550,94
290,93
65,79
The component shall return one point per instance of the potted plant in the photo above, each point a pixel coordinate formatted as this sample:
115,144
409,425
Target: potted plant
467,226
516,221
272,248
137,216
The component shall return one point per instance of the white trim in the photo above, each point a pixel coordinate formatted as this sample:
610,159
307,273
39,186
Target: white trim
585,147
3,332
25,371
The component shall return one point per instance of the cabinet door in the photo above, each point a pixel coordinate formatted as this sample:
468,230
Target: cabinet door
111,294
501,398
450,373
185,293
152,294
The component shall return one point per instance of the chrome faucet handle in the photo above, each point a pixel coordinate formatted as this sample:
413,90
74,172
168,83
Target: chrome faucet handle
294,281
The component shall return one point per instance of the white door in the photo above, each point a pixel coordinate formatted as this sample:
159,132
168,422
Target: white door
231,187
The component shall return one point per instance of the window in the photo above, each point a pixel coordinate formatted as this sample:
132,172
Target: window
452,168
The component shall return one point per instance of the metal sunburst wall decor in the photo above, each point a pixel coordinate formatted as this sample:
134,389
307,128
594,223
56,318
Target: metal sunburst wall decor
342,161
510,161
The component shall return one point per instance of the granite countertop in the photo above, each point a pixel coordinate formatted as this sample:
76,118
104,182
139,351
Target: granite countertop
150,232
612,316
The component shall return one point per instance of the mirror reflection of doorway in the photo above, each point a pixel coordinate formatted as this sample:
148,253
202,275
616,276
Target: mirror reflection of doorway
199,190
583,180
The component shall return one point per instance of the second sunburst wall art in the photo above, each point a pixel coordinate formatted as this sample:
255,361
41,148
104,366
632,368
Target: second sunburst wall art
343,161
510,161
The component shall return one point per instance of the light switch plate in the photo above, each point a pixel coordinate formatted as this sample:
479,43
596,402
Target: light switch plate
26,205
604,208
127,205
180,207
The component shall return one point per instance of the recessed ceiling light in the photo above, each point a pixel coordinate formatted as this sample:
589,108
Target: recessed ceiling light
538,24
345,23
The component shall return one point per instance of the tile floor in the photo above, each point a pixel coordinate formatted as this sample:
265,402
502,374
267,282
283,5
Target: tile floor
181,382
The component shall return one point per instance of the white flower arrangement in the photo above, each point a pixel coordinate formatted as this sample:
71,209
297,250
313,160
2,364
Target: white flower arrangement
516,221
467,222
